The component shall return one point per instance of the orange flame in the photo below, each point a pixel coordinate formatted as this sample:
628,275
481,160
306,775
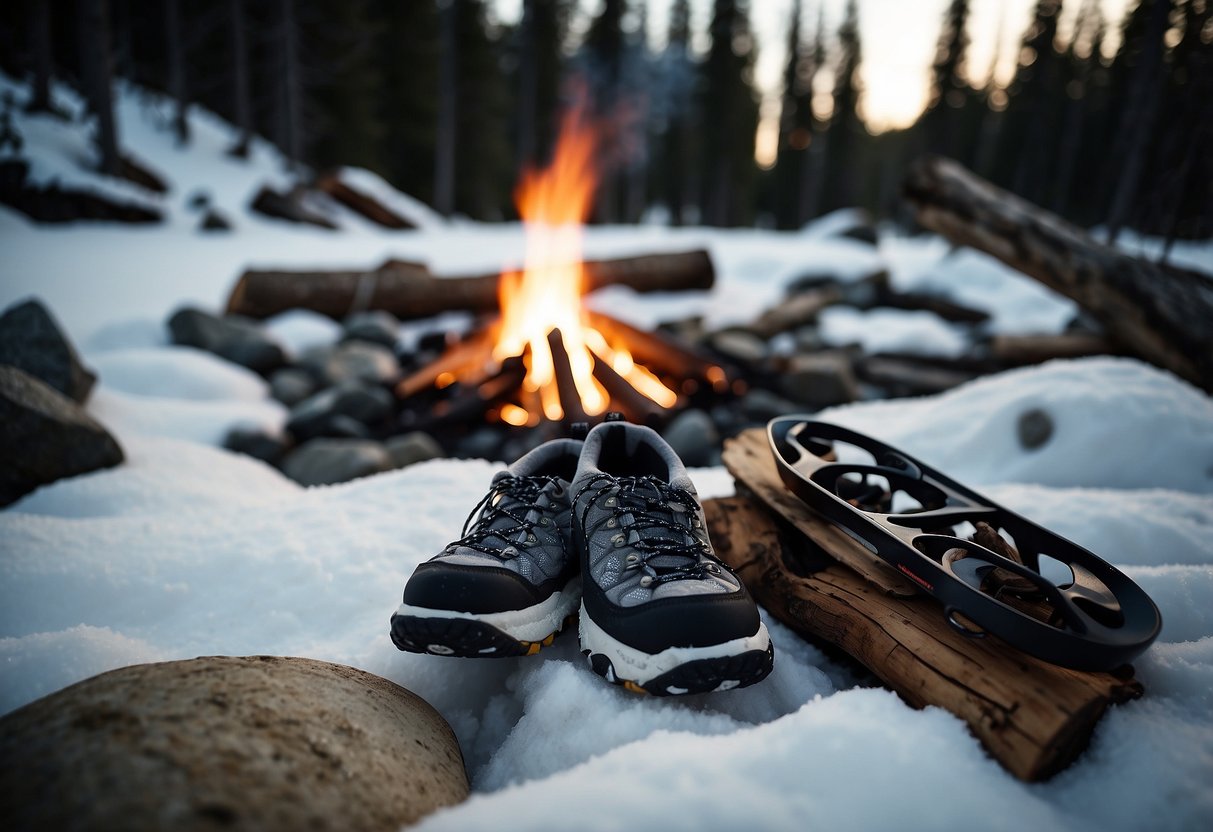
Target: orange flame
554,204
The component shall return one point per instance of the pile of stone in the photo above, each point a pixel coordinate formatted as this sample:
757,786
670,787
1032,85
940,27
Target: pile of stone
343,415
45,432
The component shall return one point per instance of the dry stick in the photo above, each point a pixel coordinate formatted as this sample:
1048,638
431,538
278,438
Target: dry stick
1160,313
660,354
636,406
566,388
408,290
1033,717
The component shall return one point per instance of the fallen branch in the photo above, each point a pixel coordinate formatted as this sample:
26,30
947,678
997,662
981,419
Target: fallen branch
409,290
1159,313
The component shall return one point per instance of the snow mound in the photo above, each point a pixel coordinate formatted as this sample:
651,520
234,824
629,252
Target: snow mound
892,330
1116,423
301,329
177,373
205,421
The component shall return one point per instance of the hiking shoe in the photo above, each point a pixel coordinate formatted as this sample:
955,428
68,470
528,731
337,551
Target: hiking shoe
512,581
659,613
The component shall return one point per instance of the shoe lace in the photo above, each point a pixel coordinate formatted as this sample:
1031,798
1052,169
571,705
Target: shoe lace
665,548
513,498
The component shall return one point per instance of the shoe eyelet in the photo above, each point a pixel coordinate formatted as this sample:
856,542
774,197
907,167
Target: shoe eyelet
545,521
612,523
632,559
610,501
530,538
714,569
618,540
646,581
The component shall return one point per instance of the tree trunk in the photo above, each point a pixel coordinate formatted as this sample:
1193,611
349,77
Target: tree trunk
1033,717
97,76
448,95
1159,313
528,88
290,109
174,45
40,42
241,101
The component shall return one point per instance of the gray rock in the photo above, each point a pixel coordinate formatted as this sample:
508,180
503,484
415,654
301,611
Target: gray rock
291,386
482,443
32,341
820,379
237,339
693,436
314,415
45,436
1034,428
763,405
739,345
257,443
412,448
248,743
376,327
360,361
346,427
330,461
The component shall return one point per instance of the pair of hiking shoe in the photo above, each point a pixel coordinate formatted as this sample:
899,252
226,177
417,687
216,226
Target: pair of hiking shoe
608,530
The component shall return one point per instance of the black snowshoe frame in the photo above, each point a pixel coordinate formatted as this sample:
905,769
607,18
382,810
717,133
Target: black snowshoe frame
913,518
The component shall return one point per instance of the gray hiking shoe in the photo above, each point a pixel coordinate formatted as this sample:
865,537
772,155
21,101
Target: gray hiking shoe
512,581
659,614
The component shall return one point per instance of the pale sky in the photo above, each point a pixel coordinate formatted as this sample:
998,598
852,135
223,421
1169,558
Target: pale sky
898,40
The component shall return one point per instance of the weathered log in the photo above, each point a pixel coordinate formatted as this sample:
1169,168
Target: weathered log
1033,717
408,290
361,203
794,311
1019,350
902,376
1160,313
749,460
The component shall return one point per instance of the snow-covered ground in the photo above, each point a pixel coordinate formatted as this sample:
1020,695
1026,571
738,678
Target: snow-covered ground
190,550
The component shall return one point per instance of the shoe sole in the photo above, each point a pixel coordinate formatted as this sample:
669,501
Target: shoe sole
489,635
677,671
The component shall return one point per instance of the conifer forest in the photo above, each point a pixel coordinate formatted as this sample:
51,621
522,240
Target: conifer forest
449,102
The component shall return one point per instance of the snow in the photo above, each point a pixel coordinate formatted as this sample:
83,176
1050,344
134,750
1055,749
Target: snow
187,549
892,330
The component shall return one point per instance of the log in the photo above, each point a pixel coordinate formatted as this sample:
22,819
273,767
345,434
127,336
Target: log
1032,717
409,290
906,377
795,311
1020,350
749,460
1160,313
361,203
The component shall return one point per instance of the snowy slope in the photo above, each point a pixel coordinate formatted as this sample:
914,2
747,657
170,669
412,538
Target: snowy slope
190,550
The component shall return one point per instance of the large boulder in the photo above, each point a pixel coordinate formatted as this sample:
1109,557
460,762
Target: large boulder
330,461
45,436
249,743
239,340
32,341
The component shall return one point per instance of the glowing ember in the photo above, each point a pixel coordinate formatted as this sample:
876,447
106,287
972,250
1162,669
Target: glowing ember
546,295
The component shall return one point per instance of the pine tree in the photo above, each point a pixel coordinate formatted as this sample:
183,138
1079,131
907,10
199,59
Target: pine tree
847,134
175,49
484,170
1080,62
730,117
791,152
39,12
949,91
241,95
1036,101
407,54
603,64
673,109
541,67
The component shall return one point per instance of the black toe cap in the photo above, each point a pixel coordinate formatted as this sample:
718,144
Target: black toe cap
473,589
689,621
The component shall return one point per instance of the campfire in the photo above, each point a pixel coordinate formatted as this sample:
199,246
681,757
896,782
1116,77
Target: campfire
546,356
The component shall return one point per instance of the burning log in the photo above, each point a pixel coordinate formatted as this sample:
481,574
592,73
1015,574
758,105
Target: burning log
635,406
472,354
661,353
1160,313
566,386
470,402
1034,718
409,290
